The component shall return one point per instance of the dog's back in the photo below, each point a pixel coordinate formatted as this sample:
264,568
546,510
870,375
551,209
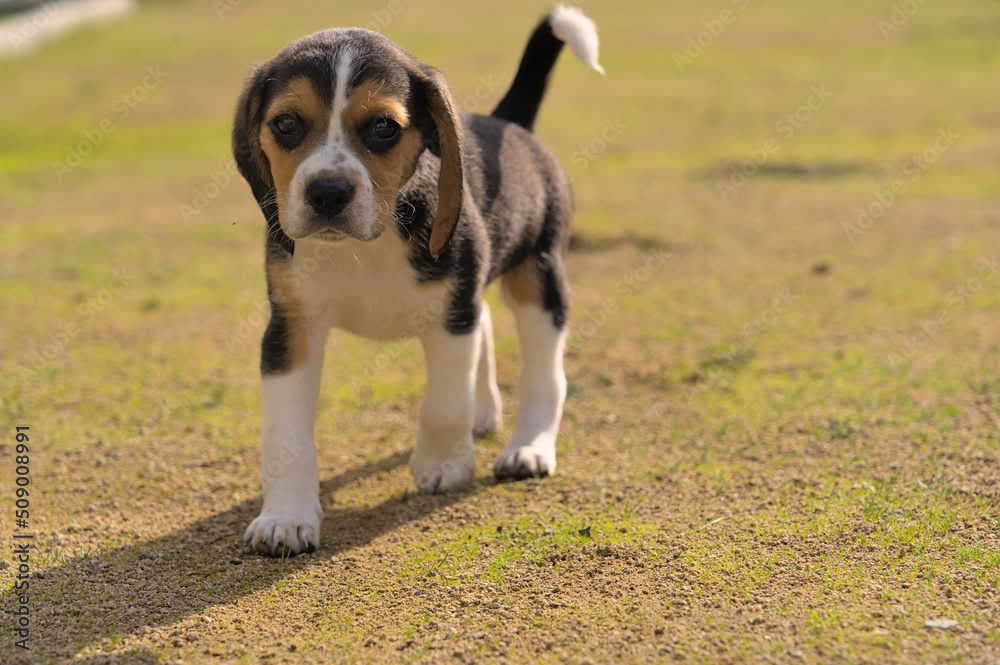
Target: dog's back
521,196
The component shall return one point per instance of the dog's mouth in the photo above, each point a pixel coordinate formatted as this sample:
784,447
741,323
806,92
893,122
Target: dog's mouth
348,232
348,225
333,237
329,236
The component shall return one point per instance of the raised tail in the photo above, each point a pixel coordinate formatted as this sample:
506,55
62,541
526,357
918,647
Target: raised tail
563,25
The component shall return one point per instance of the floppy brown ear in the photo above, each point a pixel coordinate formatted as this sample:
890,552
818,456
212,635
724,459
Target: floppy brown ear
251,160
446,143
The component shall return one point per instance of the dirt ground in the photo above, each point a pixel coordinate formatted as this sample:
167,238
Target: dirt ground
781,437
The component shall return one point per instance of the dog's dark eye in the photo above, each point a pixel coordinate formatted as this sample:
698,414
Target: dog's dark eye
286,124
382,134
289,130
384,128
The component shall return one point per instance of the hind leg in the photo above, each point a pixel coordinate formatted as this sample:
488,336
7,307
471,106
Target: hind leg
538,298
488,413
443,457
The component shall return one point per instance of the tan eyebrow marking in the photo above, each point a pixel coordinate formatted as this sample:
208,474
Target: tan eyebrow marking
369,101
300,96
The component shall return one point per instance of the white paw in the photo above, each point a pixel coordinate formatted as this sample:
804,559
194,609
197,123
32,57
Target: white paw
434,475
519,462
487,419
285,530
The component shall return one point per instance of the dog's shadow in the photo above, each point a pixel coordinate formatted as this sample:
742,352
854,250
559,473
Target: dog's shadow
90,600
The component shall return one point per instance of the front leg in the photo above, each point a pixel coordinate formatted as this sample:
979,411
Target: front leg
291,365
444,457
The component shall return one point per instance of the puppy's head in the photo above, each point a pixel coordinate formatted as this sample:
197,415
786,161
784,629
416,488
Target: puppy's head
329,131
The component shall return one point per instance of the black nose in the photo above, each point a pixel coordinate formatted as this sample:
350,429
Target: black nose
329,197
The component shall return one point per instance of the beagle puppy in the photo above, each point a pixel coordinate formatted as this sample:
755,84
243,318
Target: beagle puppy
388,213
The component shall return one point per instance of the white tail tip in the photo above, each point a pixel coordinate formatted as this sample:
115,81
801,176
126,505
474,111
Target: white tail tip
574,27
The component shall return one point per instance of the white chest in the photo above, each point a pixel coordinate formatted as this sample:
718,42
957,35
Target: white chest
368,289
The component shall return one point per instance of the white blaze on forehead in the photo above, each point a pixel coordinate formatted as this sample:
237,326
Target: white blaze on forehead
334,158
342,61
